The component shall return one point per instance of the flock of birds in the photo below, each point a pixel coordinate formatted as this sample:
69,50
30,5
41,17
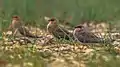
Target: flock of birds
80,34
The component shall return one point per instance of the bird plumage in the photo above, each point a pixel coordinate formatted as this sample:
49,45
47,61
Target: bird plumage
58,31
83,35
25,32
17,26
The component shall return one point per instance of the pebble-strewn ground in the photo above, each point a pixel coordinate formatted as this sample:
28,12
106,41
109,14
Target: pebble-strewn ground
59,55
56,53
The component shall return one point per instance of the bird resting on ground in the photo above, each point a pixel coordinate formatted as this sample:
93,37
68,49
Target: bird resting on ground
58,31
83,35
17,26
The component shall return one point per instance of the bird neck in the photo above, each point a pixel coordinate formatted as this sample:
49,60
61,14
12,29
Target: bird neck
51,27
15,21
55,25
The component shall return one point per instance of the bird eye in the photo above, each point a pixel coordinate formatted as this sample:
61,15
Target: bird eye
80,27
51,20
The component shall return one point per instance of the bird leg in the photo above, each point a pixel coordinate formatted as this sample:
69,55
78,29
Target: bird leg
15,32
65,33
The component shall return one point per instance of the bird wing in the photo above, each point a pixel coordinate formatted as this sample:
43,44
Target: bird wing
89,37
61,32
25,32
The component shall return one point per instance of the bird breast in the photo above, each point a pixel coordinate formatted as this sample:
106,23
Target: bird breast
51,28
75,34
16,24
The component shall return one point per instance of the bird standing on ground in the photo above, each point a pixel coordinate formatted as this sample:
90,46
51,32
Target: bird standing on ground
17,26
83,35
57,31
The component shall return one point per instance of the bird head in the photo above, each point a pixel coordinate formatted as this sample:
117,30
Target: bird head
52,21
79,28
15,18
52,25
15,22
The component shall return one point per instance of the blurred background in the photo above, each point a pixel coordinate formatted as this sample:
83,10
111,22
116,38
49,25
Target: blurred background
73,11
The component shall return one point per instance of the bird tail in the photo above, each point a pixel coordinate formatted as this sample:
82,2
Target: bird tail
25,32
109,40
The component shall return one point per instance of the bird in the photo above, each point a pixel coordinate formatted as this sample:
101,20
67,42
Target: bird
17,26
83,35
58,31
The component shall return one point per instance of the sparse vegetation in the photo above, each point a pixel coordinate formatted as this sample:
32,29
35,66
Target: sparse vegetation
58,53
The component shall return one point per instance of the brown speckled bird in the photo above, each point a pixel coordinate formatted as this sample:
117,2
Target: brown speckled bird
58,31
16,26
83,35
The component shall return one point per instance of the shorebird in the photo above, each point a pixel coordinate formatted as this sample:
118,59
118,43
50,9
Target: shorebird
58,31
83,35
17,26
